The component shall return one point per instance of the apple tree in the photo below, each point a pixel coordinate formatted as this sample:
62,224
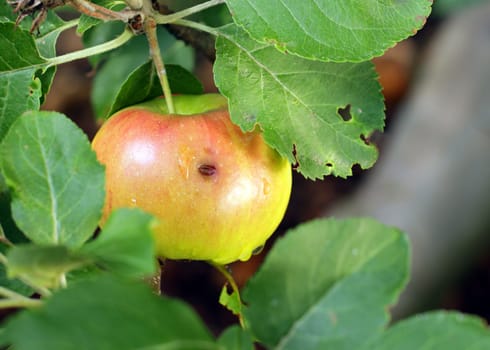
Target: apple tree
297,72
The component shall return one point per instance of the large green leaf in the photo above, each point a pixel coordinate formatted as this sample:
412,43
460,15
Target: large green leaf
19,61
56,182
340,31
297,103
327,285
125,244
107,314
439,330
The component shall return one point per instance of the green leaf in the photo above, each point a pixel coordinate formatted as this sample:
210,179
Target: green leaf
143,85
45,43
231,300
10,229
123,61
57,185
19,61
125,245
327,285
297,104
42,265
236,338
6,12
439,330
106,313
11,283
340,31
51,21
100,34
51,29
3,185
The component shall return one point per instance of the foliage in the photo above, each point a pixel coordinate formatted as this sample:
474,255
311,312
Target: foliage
301,72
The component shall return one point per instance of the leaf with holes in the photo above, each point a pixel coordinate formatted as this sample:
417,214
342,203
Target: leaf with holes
56,182
316,114
19,89
339,31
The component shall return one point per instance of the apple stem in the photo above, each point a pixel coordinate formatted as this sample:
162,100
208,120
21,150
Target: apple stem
151,34
229,278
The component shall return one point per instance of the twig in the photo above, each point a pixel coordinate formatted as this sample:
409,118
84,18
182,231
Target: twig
151,34
94,50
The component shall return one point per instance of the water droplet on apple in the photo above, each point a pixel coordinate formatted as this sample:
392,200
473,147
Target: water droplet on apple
133,200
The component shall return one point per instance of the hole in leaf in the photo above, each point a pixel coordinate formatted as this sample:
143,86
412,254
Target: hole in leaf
296,163
345,113
365,140
329,165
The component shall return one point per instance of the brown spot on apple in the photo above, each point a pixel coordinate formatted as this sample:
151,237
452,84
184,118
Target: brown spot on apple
207,170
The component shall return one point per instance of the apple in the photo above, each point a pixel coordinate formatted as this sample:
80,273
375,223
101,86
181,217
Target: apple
218,193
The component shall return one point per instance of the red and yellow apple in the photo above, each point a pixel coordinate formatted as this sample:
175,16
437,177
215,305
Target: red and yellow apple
218,193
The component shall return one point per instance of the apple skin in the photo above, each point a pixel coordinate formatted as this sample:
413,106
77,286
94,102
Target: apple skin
218,193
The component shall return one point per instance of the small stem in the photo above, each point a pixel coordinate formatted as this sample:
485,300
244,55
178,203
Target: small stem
8,303
151,34
16,299
90,51
10,293
198,26
229,278
164,19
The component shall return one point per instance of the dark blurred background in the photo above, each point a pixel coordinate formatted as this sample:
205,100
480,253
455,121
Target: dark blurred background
409,74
